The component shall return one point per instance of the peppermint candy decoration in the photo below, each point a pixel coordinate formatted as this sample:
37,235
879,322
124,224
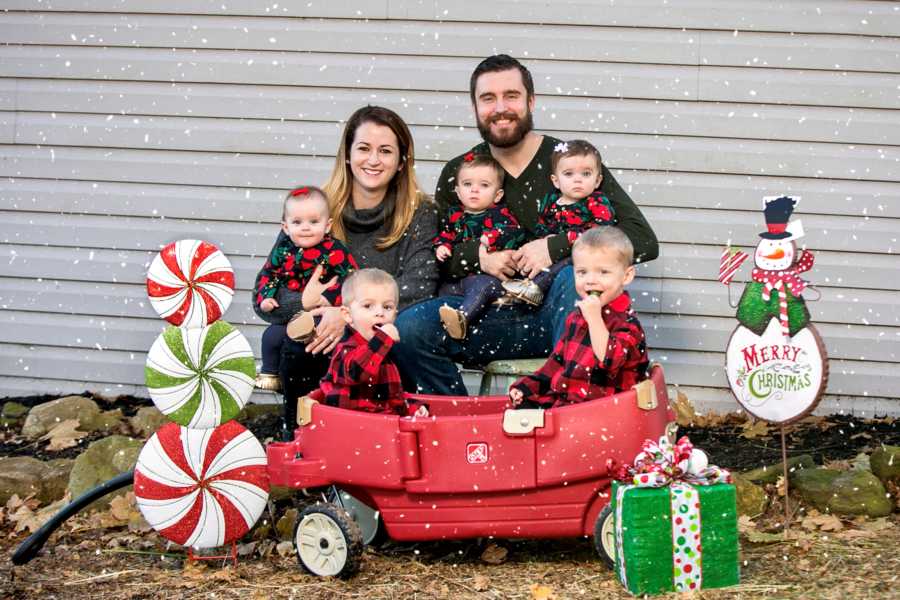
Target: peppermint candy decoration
202,488
190,283
201,377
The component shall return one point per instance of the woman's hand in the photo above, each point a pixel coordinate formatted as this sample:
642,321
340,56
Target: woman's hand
329,330
533,257
268,305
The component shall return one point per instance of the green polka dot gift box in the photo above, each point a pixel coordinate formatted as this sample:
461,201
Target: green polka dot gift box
676,538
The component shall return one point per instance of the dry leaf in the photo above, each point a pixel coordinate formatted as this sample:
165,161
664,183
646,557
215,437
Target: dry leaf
855,534
754,429
780,487
123,508
64,435
685,414
494,554
874,524
821,522
481,583
541,592
745,524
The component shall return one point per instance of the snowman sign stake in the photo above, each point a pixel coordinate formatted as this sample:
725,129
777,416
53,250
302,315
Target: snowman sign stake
776,362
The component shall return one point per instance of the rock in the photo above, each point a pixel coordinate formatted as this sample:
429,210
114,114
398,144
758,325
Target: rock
885,463
771,473
147,421
26,476
43,417
12,414
286,524
843,492
814,485
860,493
103,460
751,498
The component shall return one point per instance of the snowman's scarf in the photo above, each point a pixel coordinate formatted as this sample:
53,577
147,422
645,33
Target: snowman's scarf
779,280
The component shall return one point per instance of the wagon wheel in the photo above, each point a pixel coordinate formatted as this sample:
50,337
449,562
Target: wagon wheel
328,541
605,537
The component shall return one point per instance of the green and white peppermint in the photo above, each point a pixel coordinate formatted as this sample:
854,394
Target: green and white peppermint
200,377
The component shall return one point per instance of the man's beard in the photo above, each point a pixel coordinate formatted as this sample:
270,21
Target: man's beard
522,127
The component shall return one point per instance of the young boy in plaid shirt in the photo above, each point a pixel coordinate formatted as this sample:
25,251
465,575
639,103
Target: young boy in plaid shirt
361,375
602,350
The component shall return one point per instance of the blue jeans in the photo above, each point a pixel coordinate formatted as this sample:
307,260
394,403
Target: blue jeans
426,354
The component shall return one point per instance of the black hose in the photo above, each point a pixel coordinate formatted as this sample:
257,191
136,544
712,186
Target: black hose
31,546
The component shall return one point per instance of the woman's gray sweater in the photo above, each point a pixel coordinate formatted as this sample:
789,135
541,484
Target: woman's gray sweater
411,260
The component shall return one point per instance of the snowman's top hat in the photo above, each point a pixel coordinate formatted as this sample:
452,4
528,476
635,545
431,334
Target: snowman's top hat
778,213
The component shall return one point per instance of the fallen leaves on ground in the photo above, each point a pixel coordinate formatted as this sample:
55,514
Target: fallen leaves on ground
814,520
64,435
754,429
541,592
494,554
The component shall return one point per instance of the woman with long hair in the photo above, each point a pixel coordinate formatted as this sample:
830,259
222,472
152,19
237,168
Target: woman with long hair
387,223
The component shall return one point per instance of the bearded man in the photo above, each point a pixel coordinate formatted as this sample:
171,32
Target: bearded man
502,94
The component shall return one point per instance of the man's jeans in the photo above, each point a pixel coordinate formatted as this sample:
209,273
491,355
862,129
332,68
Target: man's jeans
426,355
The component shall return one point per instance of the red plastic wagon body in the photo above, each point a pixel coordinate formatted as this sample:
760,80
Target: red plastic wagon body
472,469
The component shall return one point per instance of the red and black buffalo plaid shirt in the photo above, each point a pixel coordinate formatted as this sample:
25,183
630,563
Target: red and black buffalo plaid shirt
573,373
362,377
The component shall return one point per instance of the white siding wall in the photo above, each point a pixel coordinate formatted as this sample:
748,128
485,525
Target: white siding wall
125,125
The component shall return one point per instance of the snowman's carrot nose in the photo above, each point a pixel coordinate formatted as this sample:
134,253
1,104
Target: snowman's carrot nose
778,253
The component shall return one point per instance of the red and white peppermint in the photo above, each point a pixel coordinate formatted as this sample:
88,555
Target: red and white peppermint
190,283
202,488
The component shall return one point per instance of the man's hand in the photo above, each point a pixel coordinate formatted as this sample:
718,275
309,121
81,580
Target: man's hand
268,305
443,253
391,330
533,257
592,310
329,331
515,396
312,293
500,264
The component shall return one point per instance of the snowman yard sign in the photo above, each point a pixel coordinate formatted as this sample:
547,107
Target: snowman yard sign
776,362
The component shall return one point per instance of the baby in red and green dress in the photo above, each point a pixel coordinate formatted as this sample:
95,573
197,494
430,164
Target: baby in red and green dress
574,207
480,216
307,259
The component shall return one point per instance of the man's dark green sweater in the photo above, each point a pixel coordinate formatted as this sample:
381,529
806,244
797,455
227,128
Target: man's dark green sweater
523,196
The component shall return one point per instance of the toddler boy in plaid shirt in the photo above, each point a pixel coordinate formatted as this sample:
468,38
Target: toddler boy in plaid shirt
362,376
602,350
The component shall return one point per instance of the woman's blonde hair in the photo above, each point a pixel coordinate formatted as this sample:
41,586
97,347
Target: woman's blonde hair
403,185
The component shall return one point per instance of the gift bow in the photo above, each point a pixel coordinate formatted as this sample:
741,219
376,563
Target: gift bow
662,463
679,466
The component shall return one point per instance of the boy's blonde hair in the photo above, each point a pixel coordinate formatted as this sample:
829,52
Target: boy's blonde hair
606,236
366,277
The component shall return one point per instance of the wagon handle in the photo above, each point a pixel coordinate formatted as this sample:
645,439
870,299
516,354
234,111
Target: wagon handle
304,410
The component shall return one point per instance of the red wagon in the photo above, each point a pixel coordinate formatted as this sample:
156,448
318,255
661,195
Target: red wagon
471,469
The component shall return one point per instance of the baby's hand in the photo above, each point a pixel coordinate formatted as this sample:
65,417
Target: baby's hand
268,305
515,396
312,293
443,253
591,308
391,330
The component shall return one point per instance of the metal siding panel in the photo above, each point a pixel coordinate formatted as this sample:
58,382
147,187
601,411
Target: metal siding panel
868,308
717,155
562,113
420,38
356,9
659,46
825,232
